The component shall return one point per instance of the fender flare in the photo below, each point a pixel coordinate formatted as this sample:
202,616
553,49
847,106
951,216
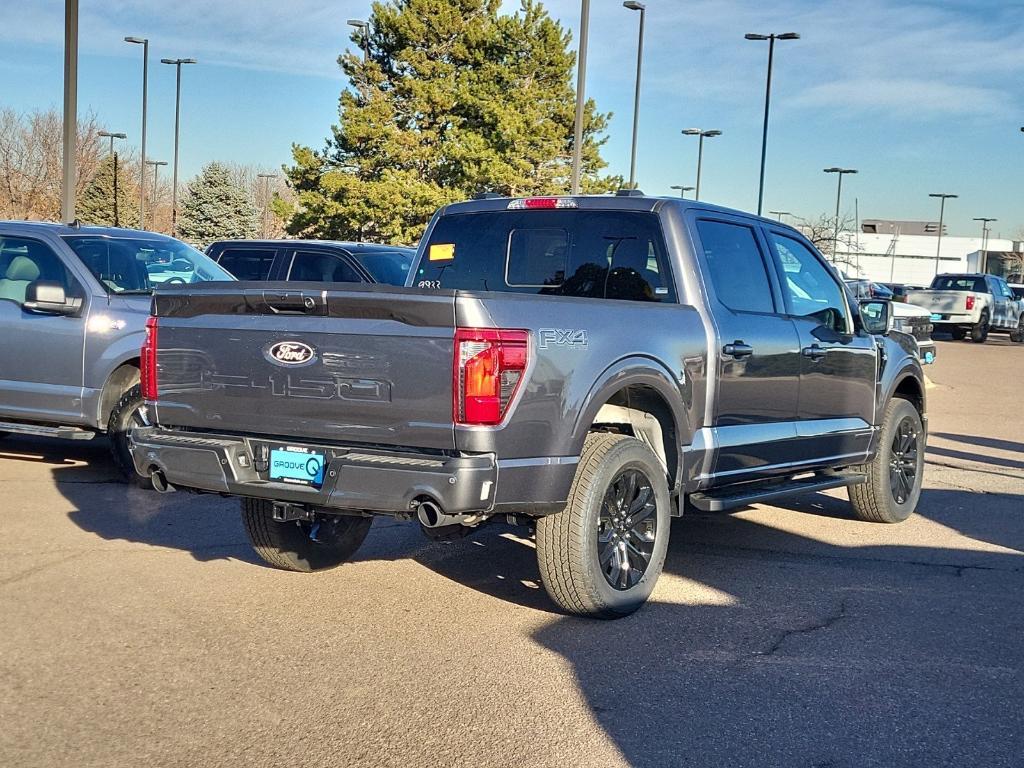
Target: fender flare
631,371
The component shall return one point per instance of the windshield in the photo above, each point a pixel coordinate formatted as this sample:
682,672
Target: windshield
391,267
139,264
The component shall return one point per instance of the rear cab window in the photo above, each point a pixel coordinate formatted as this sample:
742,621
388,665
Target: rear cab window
600,254
248,263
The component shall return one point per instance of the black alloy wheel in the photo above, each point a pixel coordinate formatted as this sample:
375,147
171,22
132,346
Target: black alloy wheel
627,529
903,460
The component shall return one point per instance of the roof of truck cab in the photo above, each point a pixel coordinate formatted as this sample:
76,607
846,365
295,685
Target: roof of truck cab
609,202
30,227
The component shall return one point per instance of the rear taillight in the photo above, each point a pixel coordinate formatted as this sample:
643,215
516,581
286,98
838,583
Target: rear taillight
489,366
147,361
970,301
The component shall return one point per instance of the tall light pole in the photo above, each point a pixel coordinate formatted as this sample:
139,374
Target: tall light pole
983,267
266,177
144,42
156,169
839,195
943,196
177,121
633,5
364,28
69,172
702,134
767,101
682,190
113,156
581,85
780,214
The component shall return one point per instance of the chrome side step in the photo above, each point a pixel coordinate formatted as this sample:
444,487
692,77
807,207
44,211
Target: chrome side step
39,430
732,498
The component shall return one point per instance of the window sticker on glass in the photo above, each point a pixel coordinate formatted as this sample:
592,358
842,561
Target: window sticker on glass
441,252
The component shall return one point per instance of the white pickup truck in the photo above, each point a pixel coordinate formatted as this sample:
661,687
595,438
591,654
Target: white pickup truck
972,303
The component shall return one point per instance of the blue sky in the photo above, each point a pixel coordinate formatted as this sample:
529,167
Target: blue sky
919,96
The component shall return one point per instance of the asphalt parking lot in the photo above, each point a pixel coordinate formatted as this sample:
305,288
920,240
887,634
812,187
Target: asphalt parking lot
139,629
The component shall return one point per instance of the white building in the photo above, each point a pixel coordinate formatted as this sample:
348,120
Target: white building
905,252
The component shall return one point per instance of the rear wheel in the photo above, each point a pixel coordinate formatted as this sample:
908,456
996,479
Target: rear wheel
603,553
1018,335
894,476
979,332
324,542
129,412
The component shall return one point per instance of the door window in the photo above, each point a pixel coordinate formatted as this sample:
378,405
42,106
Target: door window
322,267
736,266
248,263
25,261
810,288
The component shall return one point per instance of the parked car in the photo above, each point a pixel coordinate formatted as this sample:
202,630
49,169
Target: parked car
907,318
591,366
972,303
900,290
866,289
73,307
318,261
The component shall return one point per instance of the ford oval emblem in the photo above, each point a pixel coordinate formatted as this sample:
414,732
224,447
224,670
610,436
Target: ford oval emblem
290,353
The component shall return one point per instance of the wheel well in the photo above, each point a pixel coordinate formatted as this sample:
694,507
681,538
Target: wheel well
642,412
910,389
120,381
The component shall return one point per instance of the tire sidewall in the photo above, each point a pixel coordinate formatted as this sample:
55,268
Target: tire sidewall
899,410
117,432
979,333
630,454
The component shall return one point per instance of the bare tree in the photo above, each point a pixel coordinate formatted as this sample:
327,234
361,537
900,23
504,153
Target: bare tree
30,162
277,190
822,232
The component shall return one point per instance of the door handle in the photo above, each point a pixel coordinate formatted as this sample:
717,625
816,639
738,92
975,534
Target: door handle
814,352
738,350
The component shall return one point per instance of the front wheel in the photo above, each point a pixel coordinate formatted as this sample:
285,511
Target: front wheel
324,542
603,553
129,412
979,331
894,476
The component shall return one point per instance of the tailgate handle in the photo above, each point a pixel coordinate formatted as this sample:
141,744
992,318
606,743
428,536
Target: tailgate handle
294,302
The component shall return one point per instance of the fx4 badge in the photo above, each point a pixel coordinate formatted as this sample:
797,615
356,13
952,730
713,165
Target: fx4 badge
561,337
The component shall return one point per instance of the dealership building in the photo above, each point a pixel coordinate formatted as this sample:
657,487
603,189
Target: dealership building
888,251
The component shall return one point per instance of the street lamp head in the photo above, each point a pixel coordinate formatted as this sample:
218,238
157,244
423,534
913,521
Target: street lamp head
753,36
156,162
138,40
357,23
788,36
983,218
109,135
633,5
177,61
836,169
692,131
941,194
709,134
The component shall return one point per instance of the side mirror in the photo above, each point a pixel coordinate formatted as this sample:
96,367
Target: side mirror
49,298
876,317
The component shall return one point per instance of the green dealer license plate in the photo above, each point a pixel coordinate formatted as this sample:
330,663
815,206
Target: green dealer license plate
297,465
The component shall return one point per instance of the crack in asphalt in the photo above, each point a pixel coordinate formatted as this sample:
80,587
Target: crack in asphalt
826,623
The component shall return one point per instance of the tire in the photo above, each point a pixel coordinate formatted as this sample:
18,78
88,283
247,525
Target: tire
875,500
979,331
300,545
959,333
127,413
1017,337
572,543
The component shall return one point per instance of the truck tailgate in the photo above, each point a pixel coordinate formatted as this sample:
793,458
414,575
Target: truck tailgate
944,302
369,364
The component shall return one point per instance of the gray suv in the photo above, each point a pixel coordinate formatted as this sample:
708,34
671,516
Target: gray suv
73,308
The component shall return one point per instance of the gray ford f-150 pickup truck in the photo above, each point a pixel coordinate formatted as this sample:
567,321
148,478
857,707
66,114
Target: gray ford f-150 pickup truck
590,365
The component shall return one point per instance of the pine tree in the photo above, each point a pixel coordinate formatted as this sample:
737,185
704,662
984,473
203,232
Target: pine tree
96,205
457,98
214,208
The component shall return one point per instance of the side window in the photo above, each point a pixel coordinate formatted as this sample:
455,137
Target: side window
737,267
810,288
248,263
322,267
25,261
